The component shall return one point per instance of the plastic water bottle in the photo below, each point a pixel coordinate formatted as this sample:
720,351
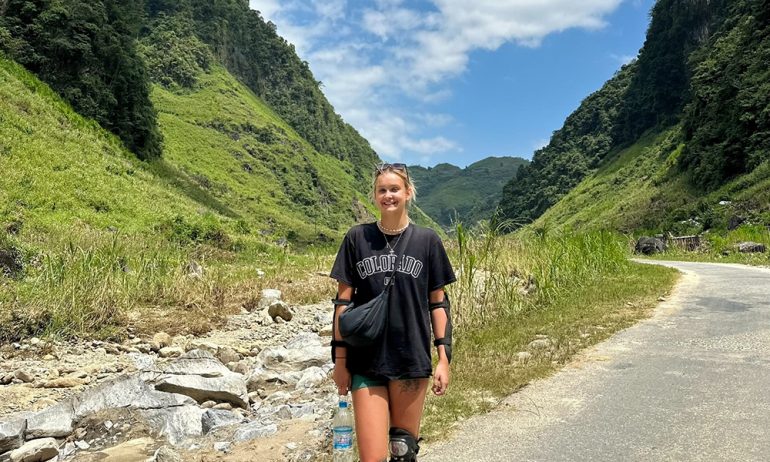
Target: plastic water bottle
342,434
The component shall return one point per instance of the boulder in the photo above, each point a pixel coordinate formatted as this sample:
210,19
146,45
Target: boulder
311,378
305,339
751,247
205,367
177,424
213,418
228,355
280,309
36,451
55,421
126,392
649,245
268,297
229,388
12,435
160,340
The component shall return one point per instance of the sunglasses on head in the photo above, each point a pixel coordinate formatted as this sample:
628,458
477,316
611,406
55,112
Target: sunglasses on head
388,166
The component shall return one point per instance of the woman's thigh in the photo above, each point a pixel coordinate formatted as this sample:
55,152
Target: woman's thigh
407,398
370,406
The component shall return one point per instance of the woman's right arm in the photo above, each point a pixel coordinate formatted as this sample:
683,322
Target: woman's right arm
341,375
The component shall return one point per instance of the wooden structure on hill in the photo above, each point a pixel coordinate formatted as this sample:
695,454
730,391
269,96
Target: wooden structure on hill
684,242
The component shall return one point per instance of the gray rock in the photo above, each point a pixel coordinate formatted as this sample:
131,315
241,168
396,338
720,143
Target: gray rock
230,388
55,421
299,359
539,344
751,247
160,340
228,355
278,397
649,245
170,352
177,424
283,412
240,367
324,317
311,378
255,430
36,451
272,357
303,340
68,450
280,309
223,446
214,418
126,392
166,454
205,367
24,376
82,445
302,410
268,297
201,345
12,434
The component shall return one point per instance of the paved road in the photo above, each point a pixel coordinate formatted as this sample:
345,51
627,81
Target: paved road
692,383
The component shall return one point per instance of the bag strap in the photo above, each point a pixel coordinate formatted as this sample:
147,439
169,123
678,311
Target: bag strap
395,266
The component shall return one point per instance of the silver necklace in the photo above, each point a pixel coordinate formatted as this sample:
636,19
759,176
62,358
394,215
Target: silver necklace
392,250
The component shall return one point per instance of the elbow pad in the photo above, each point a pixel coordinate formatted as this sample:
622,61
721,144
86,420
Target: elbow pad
446,340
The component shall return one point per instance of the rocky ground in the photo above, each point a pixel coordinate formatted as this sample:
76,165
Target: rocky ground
257,389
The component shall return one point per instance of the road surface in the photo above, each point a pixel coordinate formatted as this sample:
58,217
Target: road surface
692,383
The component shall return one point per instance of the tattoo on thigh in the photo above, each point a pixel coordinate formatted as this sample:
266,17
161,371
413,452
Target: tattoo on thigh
410,385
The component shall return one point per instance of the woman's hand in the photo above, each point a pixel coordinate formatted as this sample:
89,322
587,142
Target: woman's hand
441,378
341,377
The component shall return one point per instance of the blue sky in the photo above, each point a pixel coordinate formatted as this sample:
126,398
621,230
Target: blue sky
430,81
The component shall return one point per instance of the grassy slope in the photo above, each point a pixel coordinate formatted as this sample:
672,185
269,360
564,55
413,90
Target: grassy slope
225,140
61,170
640,191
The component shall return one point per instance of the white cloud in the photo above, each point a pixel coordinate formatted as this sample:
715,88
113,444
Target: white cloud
267,8
442,52
378,59
623,59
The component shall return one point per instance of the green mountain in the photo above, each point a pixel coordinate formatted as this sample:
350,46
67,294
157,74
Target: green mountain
675,141
144,141
448,193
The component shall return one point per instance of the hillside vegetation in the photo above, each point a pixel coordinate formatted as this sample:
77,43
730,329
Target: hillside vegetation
670,136
448,193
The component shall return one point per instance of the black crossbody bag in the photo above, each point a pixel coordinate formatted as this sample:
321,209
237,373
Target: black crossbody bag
362,325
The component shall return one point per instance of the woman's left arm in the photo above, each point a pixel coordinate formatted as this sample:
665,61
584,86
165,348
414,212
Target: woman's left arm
439,321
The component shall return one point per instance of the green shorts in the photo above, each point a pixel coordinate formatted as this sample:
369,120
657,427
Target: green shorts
361,381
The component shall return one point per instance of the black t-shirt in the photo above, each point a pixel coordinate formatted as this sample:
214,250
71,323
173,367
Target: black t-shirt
363,262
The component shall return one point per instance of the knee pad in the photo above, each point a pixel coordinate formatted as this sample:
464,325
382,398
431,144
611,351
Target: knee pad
403,446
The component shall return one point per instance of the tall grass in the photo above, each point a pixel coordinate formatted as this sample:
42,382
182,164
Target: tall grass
505,274
567,290
94,284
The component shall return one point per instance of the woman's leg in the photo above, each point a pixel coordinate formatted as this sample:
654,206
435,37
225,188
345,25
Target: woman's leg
407,398
370,407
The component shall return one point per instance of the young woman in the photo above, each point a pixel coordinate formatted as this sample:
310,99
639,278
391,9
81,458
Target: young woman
389,380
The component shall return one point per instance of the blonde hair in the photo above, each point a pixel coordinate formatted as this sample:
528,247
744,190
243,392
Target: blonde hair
402,173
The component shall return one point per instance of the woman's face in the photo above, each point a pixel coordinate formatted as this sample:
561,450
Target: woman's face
390,193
